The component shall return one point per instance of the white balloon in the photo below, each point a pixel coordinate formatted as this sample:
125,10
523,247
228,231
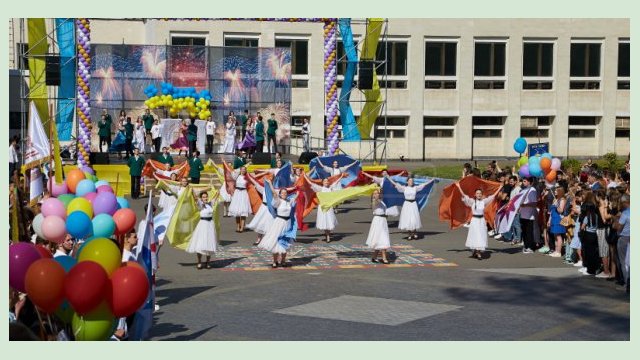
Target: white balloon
37,224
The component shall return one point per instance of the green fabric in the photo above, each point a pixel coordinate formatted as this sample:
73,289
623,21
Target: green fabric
128,130
167,160
104,129
260,131
243,121
273,126
195,167
148,121
238,162
135,166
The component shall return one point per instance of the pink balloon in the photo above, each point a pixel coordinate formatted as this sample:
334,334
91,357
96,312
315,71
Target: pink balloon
104,188
57,189
90,196
556,164
54,228
53,207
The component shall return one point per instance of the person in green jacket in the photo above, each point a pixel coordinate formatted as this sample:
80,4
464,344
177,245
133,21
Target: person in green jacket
166,158
259,135
104,132
240,160
192,136
136,164
272,126
195,167
148,120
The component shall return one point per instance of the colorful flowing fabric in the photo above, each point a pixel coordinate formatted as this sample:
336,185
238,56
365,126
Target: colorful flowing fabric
153,167
334,198
181,142
283,178
119,143
343,160
289,236
255,199
365,180
248,142
507,213
392,197
454,211
186,215
307,199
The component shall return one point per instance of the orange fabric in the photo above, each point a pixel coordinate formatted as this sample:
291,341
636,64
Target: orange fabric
254,196
454,211
151,166
310,198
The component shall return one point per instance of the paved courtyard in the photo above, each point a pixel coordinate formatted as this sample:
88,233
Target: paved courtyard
432,291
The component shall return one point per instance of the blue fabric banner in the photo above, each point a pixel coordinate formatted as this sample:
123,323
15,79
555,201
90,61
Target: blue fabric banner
65,33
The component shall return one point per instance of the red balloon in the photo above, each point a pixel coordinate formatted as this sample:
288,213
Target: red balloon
44,252
85,286
129,289
125,220
45,284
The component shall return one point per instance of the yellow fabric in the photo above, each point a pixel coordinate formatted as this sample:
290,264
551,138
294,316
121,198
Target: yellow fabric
212,167
186,216
37,50
56,153
374,168
117,176
334,198
373,97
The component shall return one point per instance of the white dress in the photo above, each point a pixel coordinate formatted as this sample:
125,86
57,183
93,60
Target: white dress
224,194
203,239
240,204
477,235
140,138
410,214
378,238
279,225
325,220
229,138
263,219
168,201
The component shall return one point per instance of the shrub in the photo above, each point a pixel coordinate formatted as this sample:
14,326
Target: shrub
572,164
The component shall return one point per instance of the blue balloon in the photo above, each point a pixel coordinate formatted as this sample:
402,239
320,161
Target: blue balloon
520,145
548,156
122,203
103,225
535,169
84,187
534,160
79,225
66,261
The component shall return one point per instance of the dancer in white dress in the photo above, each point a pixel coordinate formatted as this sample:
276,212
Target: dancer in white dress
325,220
140,135
229,136
204,238
240,206
335,169
378,238
376,179
477,235
278,227
410,214
167,197
226,199
263,219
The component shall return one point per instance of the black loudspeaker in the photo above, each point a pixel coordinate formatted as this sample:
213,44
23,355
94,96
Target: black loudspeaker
261,159
365,74
306,157
97,158
52,70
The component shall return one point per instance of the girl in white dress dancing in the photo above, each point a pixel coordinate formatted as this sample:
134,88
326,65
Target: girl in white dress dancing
410,214
278,227
477,235
263,219
378,238
325,220
240,206
204,238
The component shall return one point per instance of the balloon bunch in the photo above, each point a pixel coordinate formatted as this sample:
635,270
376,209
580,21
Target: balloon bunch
540,166
178,99
91,289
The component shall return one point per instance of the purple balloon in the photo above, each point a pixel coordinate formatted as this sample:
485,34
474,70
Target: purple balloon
21,256
524,171
90,196
105,203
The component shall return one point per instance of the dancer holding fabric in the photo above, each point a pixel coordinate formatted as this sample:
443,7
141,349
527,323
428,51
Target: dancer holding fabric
477,235
263,219
240,206
325,220
410,214
378,237
204,238
181,143
281,233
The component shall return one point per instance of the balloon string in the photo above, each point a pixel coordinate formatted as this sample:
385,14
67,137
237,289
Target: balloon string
42,332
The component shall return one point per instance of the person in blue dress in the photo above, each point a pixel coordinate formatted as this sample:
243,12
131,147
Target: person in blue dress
557,230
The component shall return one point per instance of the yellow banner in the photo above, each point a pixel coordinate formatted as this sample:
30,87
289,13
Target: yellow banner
56,153
38,48
373,97
117,176
334,198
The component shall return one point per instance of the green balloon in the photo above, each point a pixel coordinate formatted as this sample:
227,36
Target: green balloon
66,199
97,325
523,160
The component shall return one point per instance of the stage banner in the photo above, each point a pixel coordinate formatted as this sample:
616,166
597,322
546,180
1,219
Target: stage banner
170,133
36,54
37,147
65,33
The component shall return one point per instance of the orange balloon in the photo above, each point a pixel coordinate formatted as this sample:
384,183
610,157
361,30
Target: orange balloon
545,164
45,284
551,176
73,178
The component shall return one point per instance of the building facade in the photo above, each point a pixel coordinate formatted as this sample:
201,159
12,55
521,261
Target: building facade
454,88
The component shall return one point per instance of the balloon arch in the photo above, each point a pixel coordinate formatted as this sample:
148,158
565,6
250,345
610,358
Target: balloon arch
83,104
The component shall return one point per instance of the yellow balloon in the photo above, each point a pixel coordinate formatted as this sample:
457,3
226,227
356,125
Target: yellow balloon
102,251
80,204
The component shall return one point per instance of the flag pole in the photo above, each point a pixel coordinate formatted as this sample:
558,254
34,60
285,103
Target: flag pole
51,150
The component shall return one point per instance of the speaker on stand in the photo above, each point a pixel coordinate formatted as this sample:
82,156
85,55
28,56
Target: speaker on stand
52,70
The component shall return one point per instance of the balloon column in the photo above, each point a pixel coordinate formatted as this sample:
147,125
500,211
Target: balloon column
331,89
540,166
178,99
83,107
92,288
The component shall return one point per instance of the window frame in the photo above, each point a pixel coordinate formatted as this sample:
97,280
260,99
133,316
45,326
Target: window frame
442,78
587,79
491,79
540,79
623,79
489,127
583,127
393,78
451,128
189,35
297,77
393,128
240,36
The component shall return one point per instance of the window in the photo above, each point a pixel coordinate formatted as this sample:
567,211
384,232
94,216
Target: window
487,126
391,127
299,60
439,127
439,121
488,121
623,127
21,60
624,65
537,66
583,121
240,41
444,133
585,66
395,66
487,133
583,126
535,126
440,65
490,62
182,40
582,133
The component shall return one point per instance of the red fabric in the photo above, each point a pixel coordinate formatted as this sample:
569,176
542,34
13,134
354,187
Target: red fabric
307,199
151,166
454,211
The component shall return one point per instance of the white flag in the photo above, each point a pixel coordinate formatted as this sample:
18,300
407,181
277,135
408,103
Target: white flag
37,145
36,188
